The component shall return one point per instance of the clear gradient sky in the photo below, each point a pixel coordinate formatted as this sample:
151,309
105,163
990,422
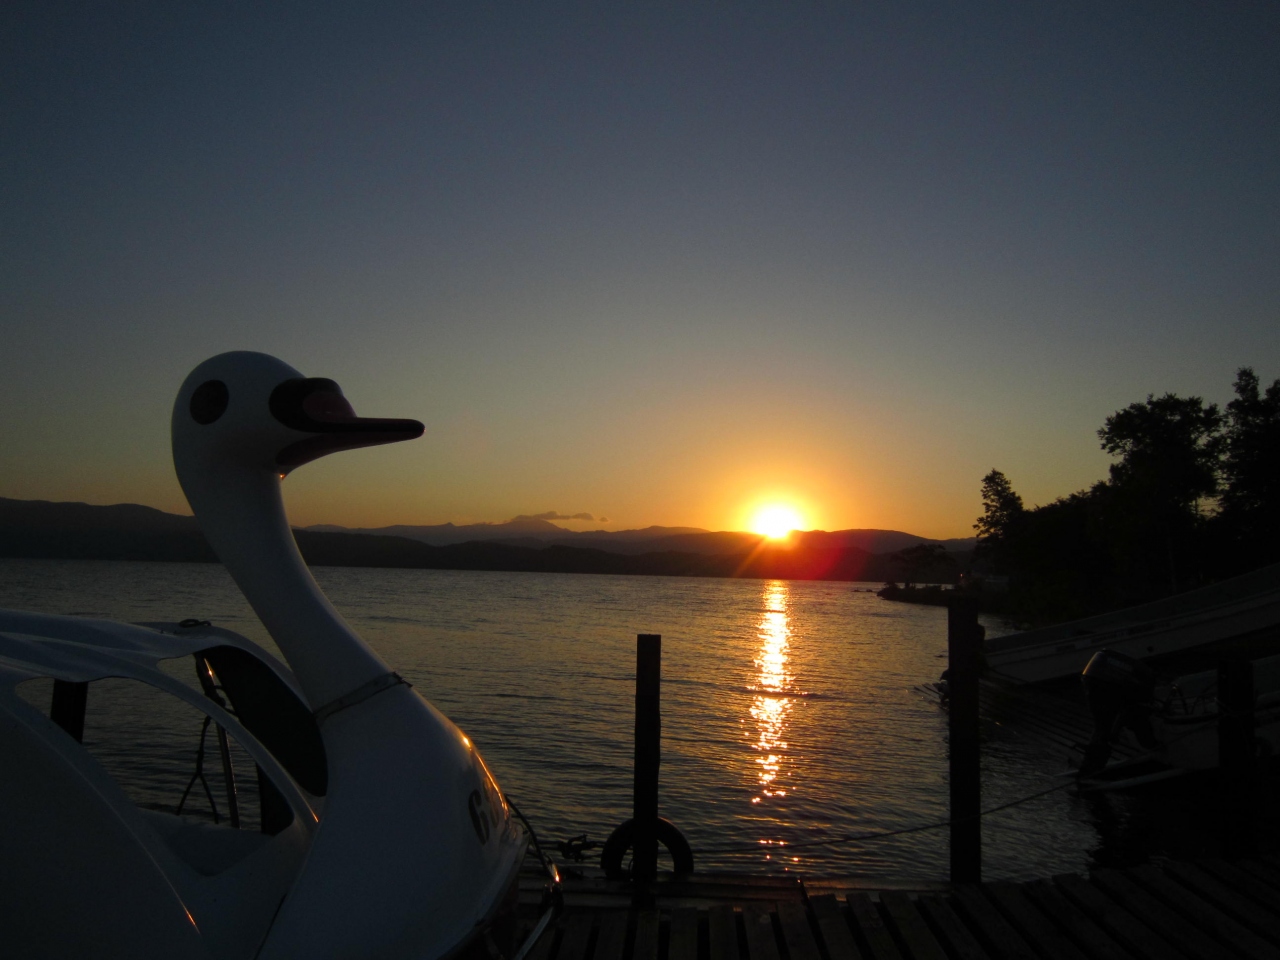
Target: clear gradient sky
655,262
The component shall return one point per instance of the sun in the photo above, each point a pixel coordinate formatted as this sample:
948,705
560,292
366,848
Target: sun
776,521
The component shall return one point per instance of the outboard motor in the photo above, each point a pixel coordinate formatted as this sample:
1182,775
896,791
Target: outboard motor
1119,690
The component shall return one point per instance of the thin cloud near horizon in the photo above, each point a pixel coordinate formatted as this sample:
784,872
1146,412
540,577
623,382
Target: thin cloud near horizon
556,515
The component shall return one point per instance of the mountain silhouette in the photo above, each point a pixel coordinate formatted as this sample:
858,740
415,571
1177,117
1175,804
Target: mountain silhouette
44,529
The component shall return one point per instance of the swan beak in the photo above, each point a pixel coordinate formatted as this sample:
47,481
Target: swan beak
316,406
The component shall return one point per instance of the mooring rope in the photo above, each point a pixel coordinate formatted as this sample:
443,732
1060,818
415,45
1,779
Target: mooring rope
546,861
882,834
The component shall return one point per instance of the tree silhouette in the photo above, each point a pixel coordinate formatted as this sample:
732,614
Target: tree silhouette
1002,516
1194,495
1168,449
1250,501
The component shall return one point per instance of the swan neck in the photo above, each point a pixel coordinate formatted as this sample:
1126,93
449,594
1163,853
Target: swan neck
242,515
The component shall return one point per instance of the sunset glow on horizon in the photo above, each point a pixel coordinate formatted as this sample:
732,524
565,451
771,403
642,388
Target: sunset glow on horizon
671,267
776,521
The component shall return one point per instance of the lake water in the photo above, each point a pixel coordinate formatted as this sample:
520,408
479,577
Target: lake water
789,709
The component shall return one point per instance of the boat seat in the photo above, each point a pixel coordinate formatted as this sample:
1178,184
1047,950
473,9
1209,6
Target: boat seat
206,848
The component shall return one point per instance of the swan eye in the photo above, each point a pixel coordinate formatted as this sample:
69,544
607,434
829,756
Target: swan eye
313,404
209,401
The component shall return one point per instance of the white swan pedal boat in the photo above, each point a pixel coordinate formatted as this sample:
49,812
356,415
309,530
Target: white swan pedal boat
383,833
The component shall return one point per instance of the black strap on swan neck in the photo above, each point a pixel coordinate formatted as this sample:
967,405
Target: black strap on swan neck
360,694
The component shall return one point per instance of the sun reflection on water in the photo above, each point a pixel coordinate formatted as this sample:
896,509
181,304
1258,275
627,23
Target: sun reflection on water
771,707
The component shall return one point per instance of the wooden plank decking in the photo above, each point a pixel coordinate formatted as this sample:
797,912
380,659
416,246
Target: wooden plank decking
1211,909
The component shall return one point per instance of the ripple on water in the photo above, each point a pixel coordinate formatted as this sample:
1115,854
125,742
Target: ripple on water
788,709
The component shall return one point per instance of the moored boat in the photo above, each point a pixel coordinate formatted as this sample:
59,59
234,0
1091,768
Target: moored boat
1177,721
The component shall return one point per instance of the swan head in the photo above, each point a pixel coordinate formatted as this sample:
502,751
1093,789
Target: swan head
250,411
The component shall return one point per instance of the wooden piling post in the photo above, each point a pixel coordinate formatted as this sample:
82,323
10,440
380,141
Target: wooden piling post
648,754
1236,751
964,653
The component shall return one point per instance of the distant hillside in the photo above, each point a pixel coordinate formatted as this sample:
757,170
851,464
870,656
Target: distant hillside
125,531
40,529
646,540
441,534
512,531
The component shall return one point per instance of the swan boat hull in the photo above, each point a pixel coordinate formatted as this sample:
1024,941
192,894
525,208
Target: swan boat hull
89,872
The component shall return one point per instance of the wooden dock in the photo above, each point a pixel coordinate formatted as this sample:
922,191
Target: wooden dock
1200,911
1211,909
